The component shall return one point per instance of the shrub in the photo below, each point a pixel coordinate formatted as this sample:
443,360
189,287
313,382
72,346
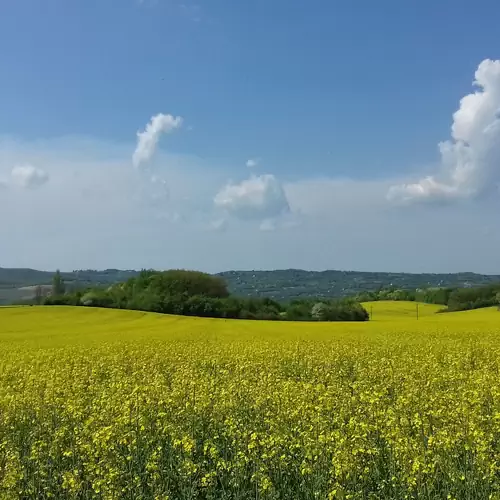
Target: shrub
198,294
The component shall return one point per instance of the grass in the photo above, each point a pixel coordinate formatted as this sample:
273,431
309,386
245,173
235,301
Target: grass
99,403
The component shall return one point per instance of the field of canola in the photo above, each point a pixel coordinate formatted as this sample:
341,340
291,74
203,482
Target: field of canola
127,405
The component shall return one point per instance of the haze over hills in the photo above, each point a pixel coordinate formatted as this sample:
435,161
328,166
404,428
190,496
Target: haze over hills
17,283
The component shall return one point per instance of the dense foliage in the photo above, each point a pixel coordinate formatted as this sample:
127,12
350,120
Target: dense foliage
193,293
431,295
58,286
100,404
462,299
168,292
281,285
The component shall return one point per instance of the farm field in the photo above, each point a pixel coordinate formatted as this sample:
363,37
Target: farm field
98,403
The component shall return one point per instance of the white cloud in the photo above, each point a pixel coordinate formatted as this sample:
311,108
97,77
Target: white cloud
259,197
470,161
344,224
148,139
252,162
427,189
28,176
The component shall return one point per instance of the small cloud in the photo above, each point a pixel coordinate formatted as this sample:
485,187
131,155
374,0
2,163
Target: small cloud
470,159
147,140
426,190
252,162
259,197
28,176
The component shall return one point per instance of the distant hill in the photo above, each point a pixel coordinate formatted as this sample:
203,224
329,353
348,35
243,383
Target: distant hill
296,283
281,285
17,284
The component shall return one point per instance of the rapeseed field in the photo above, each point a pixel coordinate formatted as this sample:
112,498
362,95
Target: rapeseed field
108,404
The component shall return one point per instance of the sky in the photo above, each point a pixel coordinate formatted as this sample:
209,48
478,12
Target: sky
263,134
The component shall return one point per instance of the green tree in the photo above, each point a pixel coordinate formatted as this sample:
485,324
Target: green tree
177,282
58,287
319,311
38,299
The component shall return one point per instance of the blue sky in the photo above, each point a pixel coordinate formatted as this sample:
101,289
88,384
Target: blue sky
341,105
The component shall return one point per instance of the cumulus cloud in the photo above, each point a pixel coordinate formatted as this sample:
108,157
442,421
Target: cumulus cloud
28,176
470,160
147,140
259,197
348,221
252,162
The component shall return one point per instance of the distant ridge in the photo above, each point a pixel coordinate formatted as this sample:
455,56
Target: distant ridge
297,283
284,284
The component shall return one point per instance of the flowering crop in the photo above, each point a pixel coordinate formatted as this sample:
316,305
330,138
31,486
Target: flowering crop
118,404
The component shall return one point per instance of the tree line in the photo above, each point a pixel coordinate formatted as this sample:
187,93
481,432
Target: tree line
199,294
453,299
194,293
